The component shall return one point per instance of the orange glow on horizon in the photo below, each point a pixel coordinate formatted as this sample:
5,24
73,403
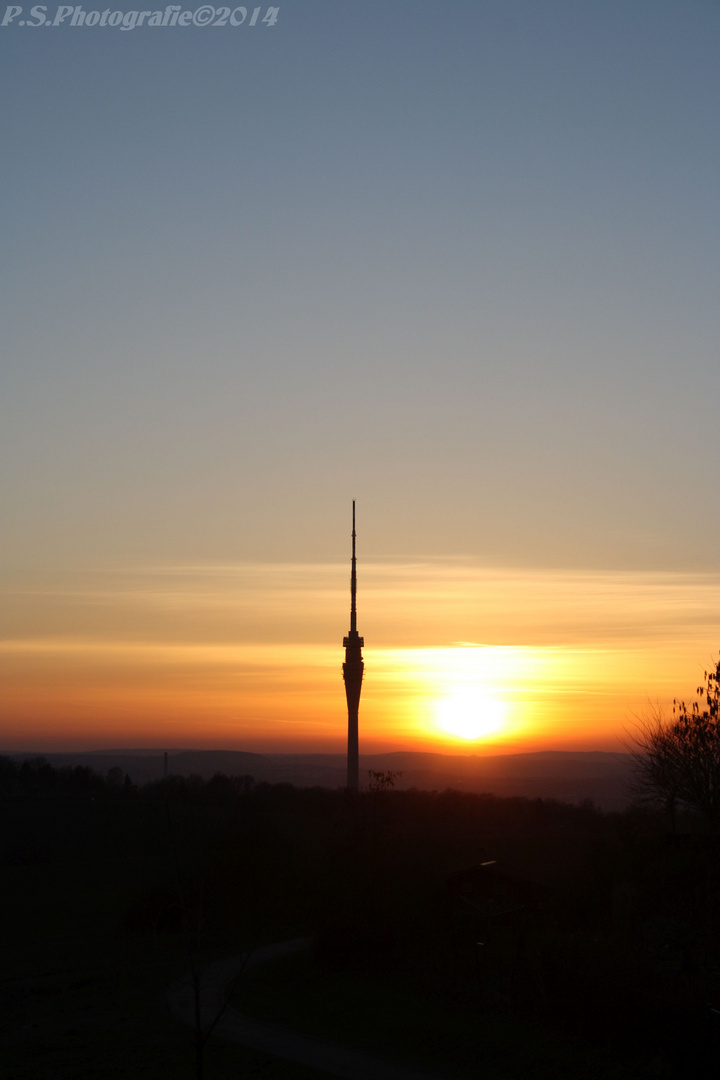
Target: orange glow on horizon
454,698
192,658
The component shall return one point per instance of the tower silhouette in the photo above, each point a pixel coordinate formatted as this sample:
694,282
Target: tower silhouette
353,675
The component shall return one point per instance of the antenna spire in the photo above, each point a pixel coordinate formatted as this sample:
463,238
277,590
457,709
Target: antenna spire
353,675
353,582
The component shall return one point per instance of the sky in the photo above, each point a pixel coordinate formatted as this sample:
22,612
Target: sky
457,261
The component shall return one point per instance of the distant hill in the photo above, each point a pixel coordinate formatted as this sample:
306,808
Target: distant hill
569,776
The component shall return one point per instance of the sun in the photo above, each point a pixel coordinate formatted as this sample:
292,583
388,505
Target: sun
470,714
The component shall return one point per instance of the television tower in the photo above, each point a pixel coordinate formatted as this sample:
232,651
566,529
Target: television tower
353,675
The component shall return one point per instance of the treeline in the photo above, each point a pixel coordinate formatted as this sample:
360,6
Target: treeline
409,810
36,776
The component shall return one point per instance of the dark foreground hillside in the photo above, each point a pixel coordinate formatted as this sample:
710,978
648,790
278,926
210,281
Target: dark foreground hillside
471,935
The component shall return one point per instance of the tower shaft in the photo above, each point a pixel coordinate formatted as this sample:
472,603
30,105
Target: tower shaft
353,675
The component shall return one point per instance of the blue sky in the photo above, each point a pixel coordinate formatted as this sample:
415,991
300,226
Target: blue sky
458,261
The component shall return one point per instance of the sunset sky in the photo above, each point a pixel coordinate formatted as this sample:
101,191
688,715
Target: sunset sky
457,261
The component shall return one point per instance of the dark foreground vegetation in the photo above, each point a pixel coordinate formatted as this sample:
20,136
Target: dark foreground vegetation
469,934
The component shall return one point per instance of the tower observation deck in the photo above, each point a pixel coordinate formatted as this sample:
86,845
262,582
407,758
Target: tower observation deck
353,675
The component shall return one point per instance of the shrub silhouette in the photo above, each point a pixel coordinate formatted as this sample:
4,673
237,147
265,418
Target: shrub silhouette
677,763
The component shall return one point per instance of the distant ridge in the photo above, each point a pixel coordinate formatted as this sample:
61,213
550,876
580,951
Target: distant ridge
566,775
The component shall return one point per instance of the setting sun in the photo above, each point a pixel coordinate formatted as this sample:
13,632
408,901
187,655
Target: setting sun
470,714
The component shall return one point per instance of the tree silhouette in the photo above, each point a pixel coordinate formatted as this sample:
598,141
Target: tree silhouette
677,763
382,781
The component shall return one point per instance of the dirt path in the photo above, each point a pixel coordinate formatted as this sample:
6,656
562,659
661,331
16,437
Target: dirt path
328,1057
